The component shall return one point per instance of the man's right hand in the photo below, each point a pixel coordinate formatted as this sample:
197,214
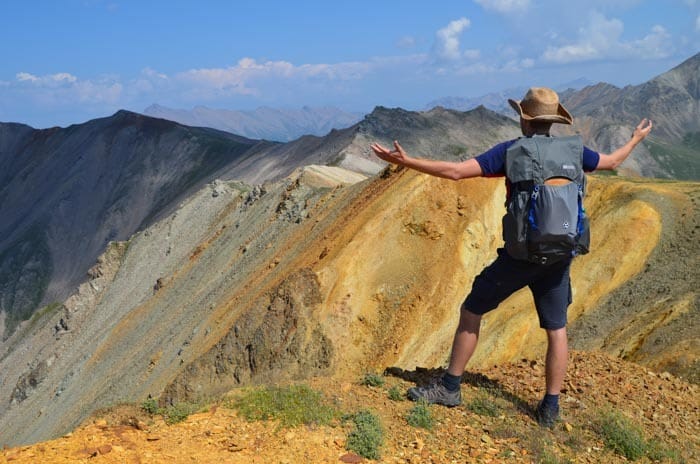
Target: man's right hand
396,156
642,130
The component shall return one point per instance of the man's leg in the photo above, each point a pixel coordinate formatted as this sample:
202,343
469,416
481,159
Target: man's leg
464,344
447,390
555,363
555,370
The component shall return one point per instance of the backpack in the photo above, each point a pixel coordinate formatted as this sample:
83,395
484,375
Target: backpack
545,223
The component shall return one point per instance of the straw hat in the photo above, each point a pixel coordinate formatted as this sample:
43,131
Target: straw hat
541,104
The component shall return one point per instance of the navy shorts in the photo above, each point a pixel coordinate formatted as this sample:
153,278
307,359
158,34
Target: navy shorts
549,283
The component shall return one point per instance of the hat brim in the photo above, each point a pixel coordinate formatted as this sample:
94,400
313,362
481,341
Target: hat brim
562,116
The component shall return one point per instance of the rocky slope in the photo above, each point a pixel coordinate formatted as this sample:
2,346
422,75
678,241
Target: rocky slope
65,193
294,279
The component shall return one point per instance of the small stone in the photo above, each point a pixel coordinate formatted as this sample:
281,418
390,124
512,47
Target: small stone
351,458
104,449
101,423
568,427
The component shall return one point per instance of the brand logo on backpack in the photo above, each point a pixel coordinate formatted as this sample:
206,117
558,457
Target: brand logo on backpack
545,223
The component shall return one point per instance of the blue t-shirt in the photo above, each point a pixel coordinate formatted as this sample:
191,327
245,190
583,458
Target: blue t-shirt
493,161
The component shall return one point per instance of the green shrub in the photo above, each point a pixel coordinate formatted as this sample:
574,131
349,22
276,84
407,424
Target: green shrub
178,412
367,436
483,405
372,380
420,416
395,393
291,406
621,435
150,405
657,451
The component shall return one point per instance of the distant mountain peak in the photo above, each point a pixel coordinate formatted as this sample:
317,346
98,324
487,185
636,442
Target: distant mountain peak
265,122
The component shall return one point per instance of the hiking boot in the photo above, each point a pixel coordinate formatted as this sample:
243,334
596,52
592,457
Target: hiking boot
546,415
436,393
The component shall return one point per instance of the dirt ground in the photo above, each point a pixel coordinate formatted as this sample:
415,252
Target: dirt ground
664,406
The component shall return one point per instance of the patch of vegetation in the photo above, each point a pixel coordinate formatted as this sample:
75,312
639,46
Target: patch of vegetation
150,405
178,412
395,393
455,151
25,270
420,416
484,405
621,435
172,414
681,160
367,436
371,379
291,406
657,451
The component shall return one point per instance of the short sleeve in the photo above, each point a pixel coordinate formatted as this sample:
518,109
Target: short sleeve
493,161
590,159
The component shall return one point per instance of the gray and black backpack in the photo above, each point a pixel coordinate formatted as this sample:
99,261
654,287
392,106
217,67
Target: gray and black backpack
545,223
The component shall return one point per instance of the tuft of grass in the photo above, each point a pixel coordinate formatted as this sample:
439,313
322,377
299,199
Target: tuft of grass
172,414
420,416
371,379
291,406
367,436
657,451
395,393
150,405
621,435
178,412
483,405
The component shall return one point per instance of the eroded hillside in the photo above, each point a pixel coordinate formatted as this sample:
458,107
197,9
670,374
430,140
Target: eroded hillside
321,275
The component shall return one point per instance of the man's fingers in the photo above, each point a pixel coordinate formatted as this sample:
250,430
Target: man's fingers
398,147
379,149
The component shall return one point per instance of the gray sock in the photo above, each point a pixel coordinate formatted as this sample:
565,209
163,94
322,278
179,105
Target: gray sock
451,382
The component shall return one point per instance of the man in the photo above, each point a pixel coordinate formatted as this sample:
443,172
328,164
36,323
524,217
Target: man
548,282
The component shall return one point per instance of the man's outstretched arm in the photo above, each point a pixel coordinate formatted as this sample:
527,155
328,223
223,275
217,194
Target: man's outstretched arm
444,169
615,158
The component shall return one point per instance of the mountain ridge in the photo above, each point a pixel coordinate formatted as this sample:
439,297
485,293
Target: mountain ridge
266,123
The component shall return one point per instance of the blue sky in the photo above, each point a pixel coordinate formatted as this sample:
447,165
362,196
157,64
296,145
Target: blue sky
68,61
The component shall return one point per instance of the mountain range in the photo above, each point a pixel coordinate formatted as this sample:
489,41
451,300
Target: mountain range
139,256
264,123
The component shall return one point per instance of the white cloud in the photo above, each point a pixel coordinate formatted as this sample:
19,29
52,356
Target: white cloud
447,40
26,77
697,23
601,38
49,80
504,6
252,78
65,88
